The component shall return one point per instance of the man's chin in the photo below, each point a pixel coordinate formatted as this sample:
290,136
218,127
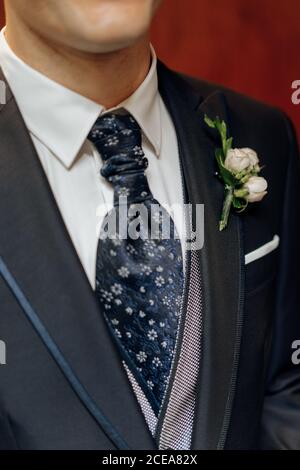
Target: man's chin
106,45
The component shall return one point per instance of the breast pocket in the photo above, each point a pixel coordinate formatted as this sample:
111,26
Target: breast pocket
261,265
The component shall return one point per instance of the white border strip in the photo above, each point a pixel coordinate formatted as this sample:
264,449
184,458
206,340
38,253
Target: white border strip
263,250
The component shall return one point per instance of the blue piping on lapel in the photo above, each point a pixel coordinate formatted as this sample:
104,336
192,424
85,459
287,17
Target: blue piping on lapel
65,367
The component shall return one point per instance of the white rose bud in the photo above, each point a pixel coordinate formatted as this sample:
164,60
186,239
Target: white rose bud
238,160
257,188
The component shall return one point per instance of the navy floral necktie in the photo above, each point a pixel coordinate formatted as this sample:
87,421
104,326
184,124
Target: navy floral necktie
139,281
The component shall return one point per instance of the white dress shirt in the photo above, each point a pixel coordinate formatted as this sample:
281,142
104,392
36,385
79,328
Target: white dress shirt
59,121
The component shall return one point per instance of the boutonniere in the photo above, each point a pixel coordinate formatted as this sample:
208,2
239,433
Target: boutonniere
239,170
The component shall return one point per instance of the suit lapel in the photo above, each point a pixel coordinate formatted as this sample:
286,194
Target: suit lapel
38,252
221,258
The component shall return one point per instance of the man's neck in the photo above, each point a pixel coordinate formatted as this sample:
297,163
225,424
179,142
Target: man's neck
107,79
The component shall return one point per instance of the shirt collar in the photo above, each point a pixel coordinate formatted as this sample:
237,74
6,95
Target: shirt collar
61,119
144,105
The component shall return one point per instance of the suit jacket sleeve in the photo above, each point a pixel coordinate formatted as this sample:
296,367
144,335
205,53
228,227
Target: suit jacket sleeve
281,411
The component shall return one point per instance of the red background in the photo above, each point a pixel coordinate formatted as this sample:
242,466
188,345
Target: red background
252,46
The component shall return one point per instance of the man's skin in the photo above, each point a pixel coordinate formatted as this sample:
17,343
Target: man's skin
97,48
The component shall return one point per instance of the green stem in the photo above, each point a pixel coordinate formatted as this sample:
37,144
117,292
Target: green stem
226,207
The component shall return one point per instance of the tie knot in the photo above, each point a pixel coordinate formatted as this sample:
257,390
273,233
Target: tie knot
111,124
118,139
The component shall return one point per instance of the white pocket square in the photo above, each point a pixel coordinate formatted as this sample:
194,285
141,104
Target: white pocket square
263,250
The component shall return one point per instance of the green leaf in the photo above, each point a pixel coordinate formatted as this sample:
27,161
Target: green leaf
219,157
228,178
239,204
229,144
209,122
222,129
